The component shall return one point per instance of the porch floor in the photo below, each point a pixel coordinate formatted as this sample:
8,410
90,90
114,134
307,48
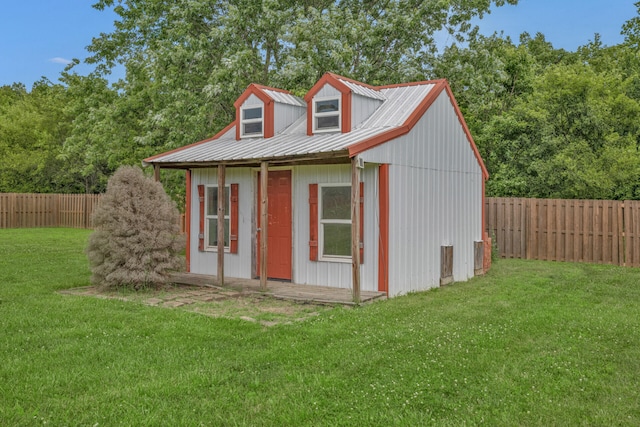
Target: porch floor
280,290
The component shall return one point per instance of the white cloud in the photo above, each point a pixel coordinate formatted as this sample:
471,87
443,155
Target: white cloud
58,60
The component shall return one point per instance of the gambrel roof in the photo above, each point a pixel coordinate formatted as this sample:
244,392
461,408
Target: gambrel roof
398,108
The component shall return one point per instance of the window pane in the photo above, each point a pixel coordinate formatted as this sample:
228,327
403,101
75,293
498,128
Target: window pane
252,128
337,239
252,113
212,200
227,201
213,232
327,122
327,106
336,203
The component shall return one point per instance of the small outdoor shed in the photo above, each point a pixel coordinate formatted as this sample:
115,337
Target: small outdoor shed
355,186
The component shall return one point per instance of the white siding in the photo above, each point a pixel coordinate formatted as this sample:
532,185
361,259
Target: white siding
362,108
435,186
252,101
324,273
236,265
327,90
285,115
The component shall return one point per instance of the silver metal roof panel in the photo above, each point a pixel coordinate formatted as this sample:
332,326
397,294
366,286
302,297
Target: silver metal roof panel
399,103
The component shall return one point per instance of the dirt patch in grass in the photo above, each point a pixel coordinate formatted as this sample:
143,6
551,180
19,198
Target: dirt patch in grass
214,302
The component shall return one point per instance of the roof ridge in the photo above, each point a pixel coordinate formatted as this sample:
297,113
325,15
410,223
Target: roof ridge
338,76
408,84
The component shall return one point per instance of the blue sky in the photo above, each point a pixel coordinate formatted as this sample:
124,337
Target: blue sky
38,37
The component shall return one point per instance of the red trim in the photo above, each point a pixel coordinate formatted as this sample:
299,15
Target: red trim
233,209
484,228
337,76
175,150
327,78
361,223
383,244
187,219
257,90
332,80
313,222
252,89
201,217
406,127
269,119
346,112
452,98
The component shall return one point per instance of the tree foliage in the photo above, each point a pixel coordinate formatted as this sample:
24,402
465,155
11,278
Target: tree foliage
136,241
33,128
548,122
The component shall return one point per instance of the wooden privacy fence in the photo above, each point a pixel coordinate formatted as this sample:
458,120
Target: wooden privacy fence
50,210
47,210
596,231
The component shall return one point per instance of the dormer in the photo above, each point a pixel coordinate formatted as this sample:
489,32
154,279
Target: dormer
339,104
262,111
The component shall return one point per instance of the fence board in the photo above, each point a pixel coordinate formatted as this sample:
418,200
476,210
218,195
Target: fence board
47,210
51,210
595,231
632,233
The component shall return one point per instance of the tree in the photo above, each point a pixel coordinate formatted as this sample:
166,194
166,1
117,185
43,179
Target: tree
33,128
136,241
187,61
574,136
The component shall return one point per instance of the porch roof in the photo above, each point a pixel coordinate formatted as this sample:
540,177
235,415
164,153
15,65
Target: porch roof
401,106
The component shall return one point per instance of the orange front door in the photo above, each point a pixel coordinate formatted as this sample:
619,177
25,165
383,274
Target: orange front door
279,241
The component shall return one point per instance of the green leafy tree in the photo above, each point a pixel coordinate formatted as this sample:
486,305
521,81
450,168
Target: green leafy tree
136,242
187,61
33,128
573,136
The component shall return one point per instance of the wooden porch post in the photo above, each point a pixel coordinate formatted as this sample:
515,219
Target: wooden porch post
156,172
221,209
355,228
264,221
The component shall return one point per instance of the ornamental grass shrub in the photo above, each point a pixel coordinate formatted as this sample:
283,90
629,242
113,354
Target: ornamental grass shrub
136,242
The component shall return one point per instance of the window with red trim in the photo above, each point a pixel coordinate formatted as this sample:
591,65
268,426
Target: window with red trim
209,212
327,114
330,222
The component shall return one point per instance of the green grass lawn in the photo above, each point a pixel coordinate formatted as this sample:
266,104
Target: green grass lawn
531,343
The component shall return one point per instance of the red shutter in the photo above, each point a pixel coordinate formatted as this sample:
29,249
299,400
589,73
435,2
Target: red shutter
187,224
233,210
362,223
313,222
201,218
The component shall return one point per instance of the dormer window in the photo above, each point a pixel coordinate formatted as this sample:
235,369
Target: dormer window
326,114
251,122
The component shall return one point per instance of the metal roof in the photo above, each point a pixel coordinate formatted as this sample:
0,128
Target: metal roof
397,106
363,90
284,98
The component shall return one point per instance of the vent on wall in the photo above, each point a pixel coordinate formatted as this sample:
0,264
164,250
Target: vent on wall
446,265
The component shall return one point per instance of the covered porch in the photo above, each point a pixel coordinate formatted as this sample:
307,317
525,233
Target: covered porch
280,290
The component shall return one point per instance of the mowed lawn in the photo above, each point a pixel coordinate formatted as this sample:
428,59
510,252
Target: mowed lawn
531,343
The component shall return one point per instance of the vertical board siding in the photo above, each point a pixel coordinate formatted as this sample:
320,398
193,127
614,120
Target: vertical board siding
435,199
362,108
593,231
285,115
237,264
328,273
47,210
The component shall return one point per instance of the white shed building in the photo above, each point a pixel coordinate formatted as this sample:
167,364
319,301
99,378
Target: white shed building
392,168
